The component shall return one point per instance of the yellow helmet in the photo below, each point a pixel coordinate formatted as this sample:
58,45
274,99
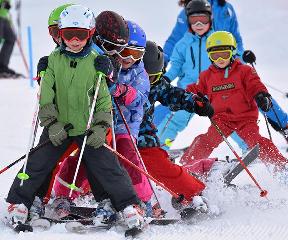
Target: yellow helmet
221,39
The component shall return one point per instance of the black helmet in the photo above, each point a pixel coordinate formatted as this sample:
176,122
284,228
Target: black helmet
112,27
198,6
153,58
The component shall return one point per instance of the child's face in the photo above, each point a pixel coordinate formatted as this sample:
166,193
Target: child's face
75,45
200,29
200,23
221,63
126,63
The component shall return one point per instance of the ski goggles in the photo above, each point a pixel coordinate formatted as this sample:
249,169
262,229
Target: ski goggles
110,47
199,18
220,54
132,52
80,34
155,77
54,31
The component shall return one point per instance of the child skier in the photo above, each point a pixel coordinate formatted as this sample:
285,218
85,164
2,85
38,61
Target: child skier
156,160
131,92
64,99
233,89
188,59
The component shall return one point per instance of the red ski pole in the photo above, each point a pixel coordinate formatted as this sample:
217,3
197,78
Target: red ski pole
142,171
263,192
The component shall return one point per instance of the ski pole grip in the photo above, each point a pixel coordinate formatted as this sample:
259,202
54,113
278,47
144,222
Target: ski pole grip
68,127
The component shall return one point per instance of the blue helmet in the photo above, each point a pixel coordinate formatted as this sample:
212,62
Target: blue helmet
137,36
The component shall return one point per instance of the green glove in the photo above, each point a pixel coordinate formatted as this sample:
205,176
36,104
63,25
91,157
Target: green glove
57,133
98,136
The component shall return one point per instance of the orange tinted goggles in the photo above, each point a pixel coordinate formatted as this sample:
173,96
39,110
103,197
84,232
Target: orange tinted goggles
194,19
80,34
221,54
132,52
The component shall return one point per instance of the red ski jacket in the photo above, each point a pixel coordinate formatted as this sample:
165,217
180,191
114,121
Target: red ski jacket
232,96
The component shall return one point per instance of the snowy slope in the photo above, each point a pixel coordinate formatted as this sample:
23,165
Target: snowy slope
244,214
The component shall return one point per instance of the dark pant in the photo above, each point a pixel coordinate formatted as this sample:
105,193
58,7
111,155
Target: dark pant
104,173
6,33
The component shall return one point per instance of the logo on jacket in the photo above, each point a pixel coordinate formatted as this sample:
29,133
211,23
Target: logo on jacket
223,87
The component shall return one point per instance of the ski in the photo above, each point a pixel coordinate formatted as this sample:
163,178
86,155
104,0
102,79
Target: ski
41,223
133,232
249,158
175,153
22,227
83,227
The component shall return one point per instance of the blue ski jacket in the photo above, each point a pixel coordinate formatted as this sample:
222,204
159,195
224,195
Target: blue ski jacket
189,58
136,77
224,19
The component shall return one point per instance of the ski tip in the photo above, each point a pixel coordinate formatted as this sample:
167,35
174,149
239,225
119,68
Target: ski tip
133,232
23,228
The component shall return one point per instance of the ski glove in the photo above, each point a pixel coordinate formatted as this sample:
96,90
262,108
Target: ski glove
6,5
222,2
264,101
57,133
101,121
103,64
48,115
97,137
116,71
202,106
42,65
249,57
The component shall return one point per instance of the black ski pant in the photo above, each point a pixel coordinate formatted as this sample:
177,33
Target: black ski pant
6,33
105,175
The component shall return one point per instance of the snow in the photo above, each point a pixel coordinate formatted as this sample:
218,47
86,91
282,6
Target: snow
244,214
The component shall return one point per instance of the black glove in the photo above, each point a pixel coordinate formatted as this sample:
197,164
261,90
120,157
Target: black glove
42,64
249,57
221,2
202,106
264,101
116,71
6,5
103,64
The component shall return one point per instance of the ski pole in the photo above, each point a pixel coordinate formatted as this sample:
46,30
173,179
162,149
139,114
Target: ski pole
167,124
268,129
135,147
113,130
276,115
263,193
277,90
23,176
72,185
67,127
279,123
168,142
143,172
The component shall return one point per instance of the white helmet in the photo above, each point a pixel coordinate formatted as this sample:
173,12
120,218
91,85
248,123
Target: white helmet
77,16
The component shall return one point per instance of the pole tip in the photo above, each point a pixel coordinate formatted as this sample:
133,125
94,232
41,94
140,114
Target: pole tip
168,142
263,193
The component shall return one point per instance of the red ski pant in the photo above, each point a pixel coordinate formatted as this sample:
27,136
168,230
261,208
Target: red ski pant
203,145
174,177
